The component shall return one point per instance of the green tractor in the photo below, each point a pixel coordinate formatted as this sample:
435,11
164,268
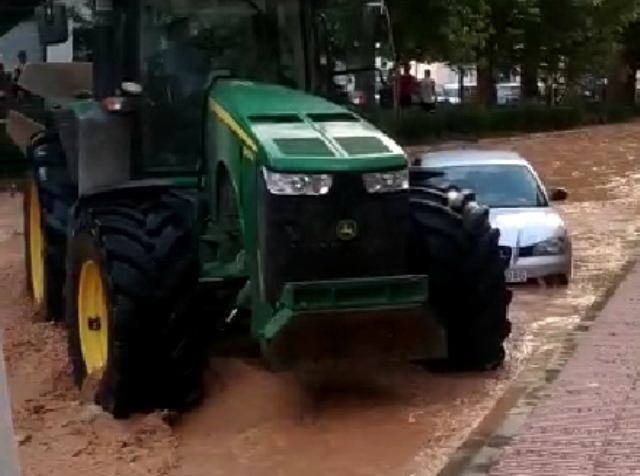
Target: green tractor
193,185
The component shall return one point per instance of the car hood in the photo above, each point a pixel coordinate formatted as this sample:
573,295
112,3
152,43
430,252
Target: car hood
526,226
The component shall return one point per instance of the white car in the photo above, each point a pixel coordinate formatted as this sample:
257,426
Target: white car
534,240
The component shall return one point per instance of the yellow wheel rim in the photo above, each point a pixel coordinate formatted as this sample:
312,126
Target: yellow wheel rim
92,318
35,242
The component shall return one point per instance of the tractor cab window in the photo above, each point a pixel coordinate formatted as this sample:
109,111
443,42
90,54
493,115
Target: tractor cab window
238,38
187,44
354,48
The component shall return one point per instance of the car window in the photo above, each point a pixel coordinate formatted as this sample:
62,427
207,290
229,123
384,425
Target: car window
495,185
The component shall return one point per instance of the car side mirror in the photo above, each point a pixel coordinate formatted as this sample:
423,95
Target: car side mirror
53,23
558,194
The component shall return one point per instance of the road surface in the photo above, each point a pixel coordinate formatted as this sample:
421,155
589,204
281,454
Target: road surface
393,422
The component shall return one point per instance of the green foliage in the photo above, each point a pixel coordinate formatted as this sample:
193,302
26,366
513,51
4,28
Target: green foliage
563,37
418,127
440,30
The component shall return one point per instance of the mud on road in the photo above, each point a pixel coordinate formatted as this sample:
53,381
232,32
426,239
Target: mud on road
393,421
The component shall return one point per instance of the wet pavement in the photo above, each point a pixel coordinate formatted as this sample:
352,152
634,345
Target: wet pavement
395,421
402,421
588,421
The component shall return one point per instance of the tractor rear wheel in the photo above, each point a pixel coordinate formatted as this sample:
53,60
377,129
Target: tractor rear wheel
47,198
132,267
455,245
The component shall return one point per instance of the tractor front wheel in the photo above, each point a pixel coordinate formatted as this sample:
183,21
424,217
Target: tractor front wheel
454,244
131,267
48,196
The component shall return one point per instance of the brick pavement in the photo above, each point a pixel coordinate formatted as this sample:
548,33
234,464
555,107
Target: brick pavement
588,422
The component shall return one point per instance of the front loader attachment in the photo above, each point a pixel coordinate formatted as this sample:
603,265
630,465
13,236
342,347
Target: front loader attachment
367,318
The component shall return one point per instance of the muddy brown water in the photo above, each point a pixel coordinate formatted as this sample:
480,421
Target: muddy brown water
395,421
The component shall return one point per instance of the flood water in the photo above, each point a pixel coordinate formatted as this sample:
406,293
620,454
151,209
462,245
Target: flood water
394,421
401,421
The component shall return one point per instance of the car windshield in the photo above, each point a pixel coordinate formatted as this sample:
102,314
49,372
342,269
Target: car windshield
495,185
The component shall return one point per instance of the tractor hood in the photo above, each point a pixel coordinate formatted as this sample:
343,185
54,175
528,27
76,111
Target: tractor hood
289,130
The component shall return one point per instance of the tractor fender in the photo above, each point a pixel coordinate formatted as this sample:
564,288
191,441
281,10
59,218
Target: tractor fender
104,152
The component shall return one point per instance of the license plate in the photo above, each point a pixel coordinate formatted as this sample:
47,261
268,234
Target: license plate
516,276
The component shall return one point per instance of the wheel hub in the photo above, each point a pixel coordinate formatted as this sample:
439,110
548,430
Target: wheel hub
35,243
92,318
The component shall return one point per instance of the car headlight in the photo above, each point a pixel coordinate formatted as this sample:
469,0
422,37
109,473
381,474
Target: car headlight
297,184
550,247
384,182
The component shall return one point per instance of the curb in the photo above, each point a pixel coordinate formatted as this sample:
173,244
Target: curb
479,452
9,465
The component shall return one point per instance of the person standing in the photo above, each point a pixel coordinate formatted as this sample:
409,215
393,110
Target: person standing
18,92
428,92
4,82
406,87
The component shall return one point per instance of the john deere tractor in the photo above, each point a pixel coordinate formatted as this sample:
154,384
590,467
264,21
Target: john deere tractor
193,184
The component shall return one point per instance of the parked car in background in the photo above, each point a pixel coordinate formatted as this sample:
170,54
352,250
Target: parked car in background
507,93
534,240
448,93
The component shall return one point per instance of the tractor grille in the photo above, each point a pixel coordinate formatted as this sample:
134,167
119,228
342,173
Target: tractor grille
299,239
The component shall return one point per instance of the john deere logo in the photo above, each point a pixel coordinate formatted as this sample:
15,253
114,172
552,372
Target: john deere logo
346,230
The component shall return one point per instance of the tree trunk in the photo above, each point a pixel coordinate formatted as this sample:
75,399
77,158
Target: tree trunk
529,72
618,80
529,89
630,85
632,71
486,83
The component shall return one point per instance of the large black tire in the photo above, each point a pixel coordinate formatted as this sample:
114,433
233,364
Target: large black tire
144,242
50,189
455,245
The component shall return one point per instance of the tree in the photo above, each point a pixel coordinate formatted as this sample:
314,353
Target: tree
438,30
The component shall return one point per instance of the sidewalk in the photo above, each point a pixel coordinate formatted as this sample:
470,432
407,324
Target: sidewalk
588,422
9,465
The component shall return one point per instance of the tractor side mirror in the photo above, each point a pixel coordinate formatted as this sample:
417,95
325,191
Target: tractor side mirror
53,23
558,194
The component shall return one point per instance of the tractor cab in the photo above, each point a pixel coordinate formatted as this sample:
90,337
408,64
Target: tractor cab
321,46
170,53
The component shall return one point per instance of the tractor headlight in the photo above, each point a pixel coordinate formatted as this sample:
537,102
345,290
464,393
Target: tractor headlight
297,184
384,182
551,247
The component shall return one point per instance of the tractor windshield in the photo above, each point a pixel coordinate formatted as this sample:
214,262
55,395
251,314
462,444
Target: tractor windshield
311,45
186,44
298,43
196,40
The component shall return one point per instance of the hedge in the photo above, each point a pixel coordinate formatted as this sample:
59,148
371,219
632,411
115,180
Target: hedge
413,127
